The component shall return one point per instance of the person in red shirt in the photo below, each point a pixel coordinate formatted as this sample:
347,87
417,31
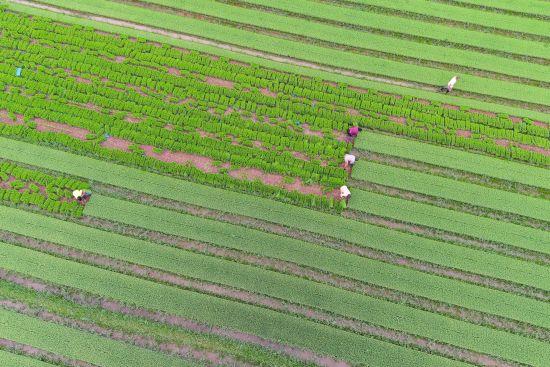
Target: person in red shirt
354,131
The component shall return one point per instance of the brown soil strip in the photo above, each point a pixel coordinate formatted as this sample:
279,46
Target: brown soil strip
205,164
76,132
182,351
86,299
116,143
280,58
275,180
220,82
260,300
463,133
385,32
41,354
4,118
285,266
267,92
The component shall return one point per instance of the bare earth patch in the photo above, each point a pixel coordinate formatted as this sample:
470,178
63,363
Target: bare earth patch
541,124
463,133
515,119
353,112
267,92
220,82
116,143
132,119
4,118
486,113
534,149
83,80
275,180
202,163
398,119
450,106
308,131
120,59
502,142
358,90
75,132
174,71
425,102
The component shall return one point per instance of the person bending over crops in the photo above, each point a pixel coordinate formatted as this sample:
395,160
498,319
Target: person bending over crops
450,84
345,193
349,160
354,131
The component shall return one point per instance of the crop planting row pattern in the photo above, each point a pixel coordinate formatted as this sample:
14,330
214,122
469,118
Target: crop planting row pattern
495,90
453,158
450,220
446,188
294,290
231,236
350,40
414,28
220,312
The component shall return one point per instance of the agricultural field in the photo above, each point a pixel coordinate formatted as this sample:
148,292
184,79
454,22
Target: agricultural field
171,179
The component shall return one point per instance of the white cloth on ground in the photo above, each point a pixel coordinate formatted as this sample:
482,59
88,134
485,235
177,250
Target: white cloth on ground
78,193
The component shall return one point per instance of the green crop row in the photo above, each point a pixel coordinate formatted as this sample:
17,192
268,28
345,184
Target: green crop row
450,189
269,21
159,331
453,158
494,90
436,33
322,115
266,282
20,185
450,220
221,312
471,16
18,360
386,275
77,344
270,245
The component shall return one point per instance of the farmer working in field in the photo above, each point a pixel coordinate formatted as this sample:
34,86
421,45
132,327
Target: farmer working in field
349,161
81,194
450,85
345,193
354,131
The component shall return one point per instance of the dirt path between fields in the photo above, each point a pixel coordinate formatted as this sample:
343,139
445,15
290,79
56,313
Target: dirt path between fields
282,59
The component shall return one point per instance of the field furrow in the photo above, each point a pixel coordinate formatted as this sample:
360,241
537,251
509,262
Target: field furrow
494,90
455,159
453,190
220,312
77,344
20,360
453,221
293,289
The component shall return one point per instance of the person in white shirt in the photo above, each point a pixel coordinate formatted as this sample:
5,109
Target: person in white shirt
450,84
345,193
349,160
